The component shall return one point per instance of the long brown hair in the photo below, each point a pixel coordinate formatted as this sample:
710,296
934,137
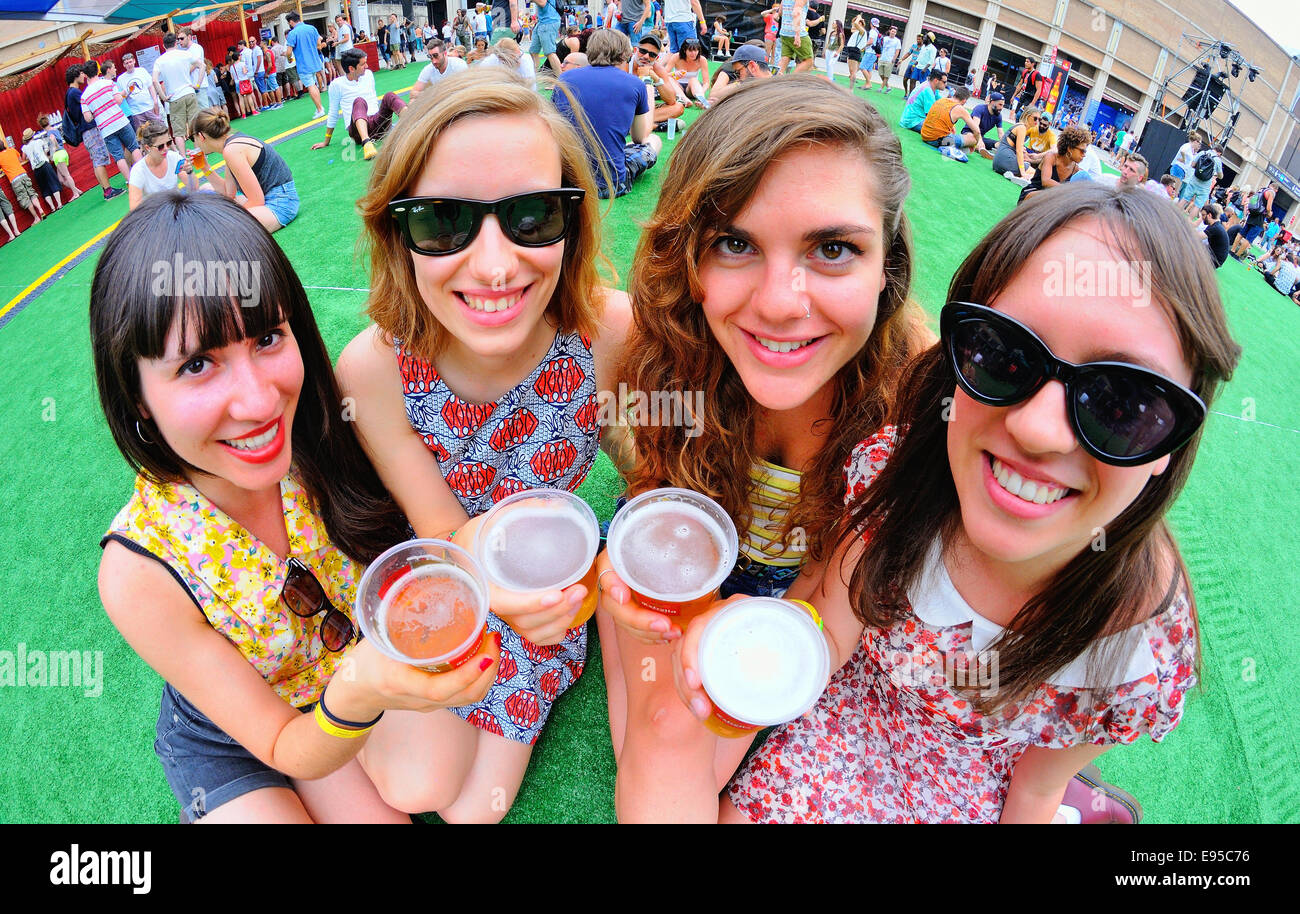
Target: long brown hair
131,314
714,172
395,304
914,500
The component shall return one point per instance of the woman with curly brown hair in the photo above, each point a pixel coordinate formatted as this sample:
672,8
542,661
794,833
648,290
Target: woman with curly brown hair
772,280
1060,164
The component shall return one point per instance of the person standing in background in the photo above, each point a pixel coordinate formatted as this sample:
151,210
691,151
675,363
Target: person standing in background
303,40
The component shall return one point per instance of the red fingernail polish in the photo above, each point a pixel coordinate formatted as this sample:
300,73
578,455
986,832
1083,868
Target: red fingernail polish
487,662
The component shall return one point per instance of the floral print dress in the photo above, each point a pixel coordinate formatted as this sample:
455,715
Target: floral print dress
543,433
891,741
235,579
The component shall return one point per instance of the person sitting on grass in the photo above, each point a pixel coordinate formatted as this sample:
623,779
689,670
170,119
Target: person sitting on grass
1011,158
162,167
232,569
1284,273
692,74
988,116
255,169
440,64
507,53
647,67
1216,236
1062,163
748,63
921,99
1133,173
573,61
615,103
353,96
940,125
1039,137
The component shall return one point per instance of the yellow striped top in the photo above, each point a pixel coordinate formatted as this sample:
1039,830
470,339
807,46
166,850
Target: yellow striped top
774,490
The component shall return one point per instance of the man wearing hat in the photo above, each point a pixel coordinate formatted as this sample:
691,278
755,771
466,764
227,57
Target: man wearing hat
988,115
749,62
923,62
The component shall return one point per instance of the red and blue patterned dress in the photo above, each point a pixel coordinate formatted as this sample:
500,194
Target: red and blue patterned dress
544,433
890,740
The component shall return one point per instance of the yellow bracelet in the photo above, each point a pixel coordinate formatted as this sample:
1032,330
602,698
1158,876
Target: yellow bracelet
811,610
325,724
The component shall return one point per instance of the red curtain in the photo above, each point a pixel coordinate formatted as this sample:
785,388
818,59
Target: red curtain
45,90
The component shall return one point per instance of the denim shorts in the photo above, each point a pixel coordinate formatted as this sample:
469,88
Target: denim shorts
204,767
282,200
118,142
755,579
545,36
679,32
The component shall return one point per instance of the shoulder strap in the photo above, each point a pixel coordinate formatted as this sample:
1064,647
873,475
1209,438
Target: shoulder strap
141,550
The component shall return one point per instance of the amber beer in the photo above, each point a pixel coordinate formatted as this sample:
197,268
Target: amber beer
673,547
424,602
540,540
763,662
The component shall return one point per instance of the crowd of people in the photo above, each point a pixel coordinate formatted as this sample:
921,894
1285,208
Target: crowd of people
821,434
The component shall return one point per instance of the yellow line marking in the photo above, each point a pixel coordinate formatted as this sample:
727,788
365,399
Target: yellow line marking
13,302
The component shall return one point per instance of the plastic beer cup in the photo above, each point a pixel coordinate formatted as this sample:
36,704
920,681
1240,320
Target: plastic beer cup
673,548
540,540
424,602
762,662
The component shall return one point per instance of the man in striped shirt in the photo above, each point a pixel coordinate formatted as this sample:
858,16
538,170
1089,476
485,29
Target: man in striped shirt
102,102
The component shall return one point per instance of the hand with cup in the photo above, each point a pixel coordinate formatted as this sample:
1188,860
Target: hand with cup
368,682
752,662
668,552
538,550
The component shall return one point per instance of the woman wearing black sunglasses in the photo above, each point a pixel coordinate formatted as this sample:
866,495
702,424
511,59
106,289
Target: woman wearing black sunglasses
1010,601
233,567
479,378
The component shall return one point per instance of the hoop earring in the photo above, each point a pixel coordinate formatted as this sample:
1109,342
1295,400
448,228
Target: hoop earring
139,433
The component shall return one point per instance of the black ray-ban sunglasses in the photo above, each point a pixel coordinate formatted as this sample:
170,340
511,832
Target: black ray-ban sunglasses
435,226
305,597
1121,414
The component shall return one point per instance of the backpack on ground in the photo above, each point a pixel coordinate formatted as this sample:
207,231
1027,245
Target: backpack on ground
1203,167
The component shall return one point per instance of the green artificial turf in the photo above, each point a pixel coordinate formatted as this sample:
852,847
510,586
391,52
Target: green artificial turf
69,757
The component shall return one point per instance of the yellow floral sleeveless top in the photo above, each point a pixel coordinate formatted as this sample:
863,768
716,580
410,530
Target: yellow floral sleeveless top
236,580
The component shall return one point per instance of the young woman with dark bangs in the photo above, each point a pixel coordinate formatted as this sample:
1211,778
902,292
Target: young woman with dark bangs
232,569
773,277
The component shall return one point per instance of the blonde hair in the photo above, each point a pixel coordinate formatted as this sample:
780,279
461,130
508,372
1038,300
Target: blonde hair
395,303
213,123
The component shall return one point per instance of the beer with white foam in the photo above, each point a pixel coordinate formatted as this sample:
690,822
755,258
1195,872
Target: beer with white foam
541,540
762,662
673,548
